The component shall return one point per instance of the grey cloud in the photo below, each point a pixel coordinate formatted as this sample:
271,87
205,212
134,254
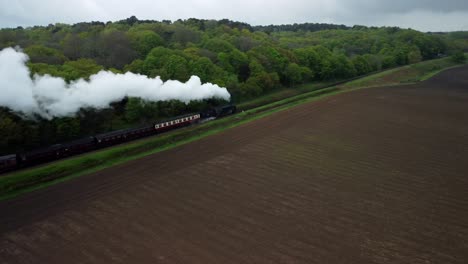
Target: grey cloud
419,14
405,6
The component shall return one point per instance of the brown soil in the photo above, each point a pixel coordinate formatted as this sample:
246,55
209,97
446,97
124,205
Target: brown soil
371,176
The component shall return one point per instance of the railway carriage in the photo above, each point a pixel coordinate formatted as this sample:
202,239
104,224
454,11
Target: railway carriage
58,151
39,155
176,123
7,163
77,147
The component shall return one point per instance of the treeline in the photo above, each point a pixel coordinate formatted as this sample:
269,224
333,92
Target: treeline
249,61
312,27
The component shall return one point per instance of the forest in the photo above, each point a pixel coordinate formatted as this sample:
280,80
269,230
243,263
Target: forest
249,61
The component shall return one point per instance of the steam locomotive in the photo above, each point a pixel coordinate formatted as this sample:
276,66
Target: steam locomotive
59,151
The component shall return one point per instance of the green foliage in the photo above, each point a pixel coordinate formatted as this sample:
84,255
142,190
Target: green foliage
206,70
458,57
43,69
218,45
293,74
183,35
414,55
361,65
309,58
337,66
136,66
133,110
70,70
144,41
41,54
114,49
156,59
82,68
176,68
10,132
67,128
270,58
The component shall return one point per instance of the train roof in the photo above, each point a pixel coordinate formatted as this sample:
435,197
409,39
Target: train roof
175,118
129,130
121,131
78,141
8,157
41,150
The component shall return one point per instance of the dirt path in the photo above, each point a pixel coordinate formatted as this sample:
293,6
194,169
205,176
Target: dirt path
372,176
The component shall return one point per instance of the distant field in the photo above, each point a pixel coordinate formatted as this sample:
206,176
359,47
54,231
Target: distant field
370,176
404,75
31,179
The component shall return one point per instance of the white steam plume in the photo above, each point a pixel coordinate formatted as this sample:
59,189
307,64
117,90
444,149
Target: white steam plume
51,96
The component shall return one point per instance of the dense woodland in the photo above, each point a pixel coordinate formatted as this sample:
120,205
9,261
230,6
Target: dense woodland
249,61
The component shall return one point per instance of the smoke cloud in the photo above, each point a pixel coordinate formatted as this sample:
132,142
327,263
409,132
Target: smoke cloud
52,97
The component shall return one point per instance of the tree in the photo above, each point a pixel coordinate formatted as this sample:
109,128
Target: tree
251,88
72,46
206,70
293,74
43,69
338,66
136,66
414,55
388,61
10,134
224,61
361,65
458,57
143,41
185,35
114,49
67,128
270,58
240,64
156,59
375,61
255,68
344,67
245,43
41,54
82,68
176,67
133,110
308,57
235,62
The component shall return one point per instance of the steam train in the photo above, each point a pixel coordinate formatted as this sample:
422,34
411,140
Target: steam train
59,151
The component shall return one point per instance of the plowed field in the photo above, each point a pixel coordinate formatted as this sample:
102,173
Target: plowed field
371,176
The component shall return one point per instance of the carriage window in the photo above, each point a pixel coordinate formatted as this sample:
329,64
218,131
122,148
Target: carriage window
156,126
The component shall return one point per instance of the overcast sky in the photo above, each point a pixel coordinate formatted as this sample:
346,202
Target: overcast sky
424,15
